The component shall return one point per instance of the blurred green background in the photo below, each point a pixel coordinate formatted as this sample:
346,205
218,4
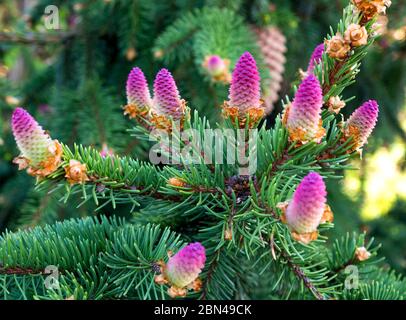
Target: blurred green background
73,80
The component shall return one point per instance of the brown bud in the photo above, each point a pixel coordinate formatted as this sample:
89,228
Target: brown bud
130,54
176,182
76,172
369,8
228,234
362,254
337,47
356,35
328,215
158,54
131,110
12,101
3,71
335,104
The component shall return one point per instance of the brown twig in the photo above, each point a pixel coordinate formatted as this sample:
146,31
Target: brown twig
36,37
20,271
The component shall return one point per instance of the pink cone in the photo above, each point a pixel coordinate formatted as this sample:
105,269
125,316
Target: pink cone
306,208
362,122
215,65
137,89
185,266
315,58
167,100
305,112
32,141
245,84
